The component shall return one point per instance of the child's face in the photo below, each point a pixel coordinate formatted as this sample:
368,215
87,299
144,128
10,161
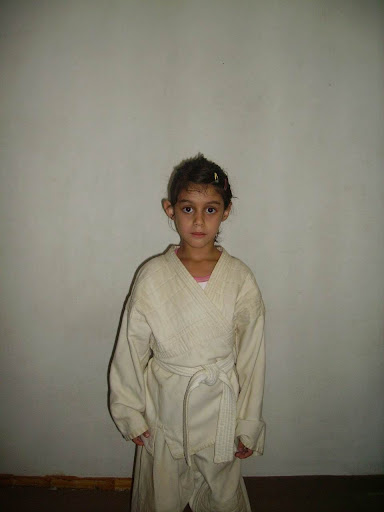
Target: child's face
198,213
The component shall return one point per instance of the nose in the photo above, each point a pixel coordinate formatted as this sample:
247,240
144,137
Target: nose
198,219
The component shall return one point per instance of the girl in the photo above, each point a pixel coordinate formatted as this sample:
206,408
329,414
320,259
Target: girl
187,375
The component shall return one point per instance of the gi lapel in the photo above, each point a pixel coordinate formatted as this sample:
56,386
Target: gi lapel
204,297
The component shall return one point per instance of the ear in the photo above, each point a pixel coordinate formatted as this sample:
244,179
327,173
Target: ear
226,212
168,208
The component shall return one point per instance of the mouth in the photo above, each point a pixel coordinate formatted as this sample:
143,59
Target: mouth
198,234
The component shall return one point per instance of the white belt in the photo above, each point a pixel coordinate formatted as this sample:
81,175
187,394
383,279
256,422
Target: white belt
209,374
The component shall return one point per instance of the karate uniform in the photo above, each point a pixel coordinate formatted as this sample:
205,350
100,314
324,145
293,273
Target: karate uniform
189,367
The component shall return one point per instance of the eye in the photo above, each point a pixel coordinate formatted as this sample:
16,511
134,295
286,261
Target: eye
187,209
211,209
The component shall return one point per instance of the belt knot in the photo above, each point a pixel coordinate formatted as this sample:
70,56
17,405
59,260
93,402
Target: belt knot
211,374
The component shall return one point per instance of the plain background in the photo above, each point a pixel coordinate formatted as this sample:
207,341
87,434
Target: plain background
99,101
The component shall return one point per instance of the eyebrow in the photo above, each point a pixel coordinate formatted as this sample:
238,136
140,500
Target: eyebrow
208,202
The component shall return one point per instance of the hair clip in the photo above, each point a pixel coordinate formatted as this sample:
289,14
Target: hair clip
216,178
225,183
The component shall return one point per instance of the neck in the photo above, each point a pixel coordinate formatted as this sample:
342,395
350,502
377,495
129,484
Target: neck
186,252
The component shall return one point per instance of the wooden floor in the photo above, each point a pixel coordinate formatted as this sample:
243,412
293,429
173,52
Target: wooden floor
271,494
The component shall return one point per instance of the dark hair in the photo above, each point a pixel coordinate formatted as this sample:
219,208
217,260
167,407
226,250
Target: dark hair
199,171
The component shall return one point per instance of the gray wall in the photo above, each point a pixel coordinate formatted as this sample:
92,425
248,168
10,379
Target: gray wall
99,100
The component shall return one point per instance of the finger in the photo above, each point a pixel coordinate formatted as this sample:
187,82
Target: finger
240,447
243,452
138,440
242,455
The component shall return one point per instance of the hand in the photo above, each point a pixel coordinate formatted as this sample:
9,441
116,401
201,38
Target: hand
137,440
242,451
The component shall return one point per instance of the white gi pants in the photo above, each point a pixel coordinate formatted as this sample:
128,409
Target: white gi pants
164,484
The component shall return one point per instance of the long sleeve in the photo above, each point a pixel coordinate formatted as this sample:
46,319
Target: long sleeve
127,386
250,365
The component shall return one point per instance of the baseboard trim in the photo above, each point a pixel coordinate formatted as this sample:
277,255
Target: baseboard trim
125,484
70,482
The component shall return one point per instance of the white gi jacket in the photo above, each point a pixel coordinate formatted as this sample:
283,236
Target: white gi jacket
170,323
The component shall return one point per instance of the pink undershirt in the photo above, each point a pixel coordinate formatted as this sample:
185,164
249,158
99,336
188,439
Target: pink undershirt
203,279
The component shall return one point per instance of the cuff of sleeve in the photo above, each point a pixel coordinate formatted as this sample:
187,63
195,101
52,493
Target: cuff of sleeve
136,432
129,431
131,423
252,434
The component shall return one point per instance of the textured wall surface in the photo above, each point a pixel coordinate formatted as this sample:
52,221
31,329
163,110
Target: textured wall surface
99,100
